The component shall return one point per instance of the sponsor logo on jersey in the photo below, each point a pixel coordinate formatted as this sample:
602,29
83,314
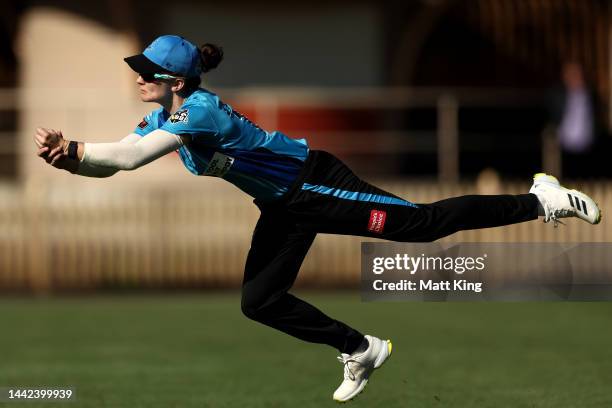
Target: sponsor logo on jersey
180,116
143,124
377,221
219,165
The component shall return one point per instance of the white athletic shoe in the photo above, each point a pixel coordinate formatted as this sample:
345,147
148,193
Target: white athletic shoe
560,202
359,366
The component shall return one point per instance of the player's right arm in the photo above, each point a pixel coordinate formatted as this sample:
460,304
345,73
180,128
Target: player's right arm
71,155
83,168
50,144
153,139
91,170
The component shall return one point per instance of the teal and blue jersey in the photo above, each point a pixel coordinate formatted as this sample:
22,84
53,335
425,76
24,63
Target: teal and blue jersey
226,144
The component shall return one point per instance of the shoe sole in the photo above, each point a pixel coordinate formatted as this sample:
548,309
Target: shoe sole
577,192
377,365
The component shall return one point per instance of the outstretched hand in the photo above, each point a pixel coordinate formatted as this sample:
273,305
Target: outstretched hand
52,147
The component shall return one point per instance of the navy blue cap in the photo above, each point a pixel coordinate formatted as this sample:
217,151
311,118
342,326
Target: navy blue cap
168,53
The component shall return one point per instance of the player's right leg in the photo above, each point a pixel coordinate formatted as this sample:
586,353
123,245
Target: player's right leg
359,365
277,251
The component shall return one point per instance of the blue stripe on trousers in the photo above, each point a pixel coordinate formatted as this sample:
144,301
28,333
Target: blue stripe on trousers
357,196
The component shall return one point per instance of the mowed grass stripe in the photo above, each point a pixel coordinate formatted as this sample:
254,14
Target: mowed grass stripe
197,350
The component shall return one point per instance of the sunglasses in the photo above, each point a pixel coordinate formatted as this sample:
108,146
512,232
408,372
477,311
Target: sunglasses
149,77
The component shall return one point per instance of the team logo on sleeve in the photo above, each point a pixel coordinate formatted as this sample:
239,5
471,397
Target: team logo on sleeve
219,165
143,124
377,221
180,116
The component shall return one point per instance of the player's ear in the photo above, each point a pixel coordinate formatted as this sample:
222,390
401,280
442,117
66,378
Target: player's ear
179,84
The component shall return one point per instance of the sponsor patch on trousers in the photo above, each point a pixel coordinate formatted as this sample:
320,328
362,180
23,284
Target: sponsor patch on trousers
219,165
377,221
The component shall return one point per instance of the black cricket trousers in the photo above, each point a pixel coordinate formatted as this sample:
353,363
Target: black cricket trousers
328,198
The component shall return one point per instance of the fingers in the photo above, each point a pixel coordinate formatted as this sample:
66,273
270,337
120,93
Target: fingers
55,155
56,159
40,137
47,137
43,133
50,145
55,151
42,152
52,160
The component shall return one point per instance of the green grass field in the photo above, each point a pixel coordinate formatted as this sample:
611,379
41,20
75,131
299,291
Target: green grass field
199,351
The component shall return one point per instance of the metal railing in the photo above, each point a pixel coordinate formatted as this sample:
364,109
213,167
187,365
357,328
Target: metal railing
58,238
76,109
144,230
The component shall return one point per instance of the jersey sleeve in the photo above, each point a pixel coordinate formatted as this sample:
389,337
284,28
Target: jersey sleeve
147,125
192,120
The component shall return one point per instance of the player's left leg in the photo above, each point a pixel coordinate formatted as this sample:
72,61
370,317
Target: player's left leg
334,200
329,198
560,202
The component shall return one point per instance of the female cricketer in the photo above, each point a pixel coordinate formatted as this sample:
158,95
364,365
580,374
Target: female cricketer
300,192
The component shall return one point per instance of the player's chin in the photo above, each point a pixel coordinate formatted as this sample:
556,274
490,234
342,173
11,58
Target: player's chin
146,98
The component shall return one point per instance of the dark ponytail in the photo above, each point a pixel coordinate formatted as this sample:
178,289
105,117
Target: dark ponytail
210,56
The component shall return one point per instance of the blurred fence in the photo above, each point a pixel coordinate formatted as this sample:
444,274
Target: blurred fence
178,237
351,122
